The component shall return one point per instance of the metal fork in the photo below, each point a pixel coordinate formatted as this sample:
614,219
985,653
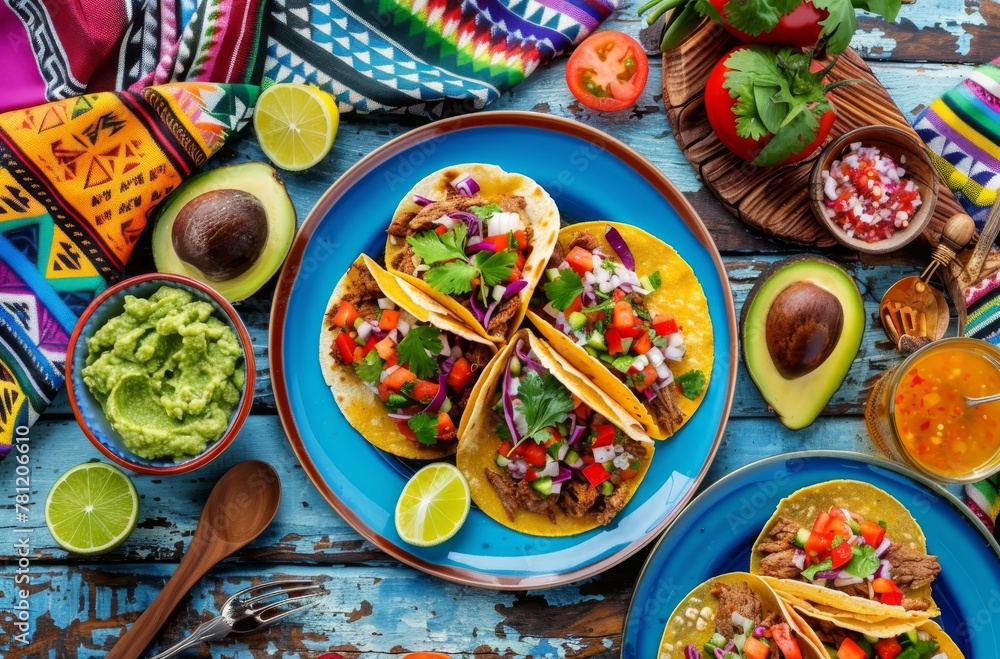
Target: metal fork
251,610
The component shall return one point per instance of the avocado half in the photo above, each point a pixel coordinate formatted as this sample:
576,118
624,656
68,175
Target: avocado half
229,227
802,326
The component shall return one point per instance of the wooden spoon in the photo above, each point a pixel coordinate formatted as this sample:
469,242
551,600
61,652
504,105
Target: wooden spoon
240,507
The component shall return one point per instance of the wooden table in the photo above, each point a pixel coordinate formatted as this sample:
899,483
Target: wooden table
377,607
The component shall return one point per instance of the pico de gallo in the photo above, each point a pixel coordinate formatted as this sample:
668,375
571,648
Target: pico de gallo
597,300
868,194
471,248
424,375
914,644
557,453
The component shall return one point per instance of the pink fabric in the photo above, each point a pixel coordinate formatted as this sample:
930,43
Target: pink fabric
20,79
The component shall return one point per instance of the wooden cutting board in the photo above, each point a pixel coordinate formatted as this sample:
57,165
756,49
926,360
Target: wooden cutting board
775,200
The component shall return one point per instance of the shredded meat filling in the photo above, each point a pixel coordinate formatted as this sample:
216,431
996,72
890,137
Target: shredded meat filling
911,568
665,411
407,224
738,598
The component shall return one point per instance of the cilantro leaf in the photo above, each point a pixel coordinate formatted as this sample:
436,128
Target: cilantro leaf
887,9
495,267
810,572
544,402
792,138
424,426
692,384
485,211
655,279
452,278
756,16
396,401
434,248
706,8
839,26
414,348
370,368
864,562
562,291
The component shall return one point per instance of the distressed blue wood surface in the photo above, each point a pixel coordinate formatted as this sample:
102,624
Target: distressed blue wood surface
376,607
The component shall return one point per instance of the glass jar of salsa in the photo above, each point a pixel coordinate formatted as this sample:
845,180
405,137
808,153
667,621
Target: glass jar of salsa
917,415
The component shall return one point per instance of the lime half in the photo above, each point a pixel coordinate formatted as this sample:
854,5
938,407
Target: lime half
92,508
433,505
295,124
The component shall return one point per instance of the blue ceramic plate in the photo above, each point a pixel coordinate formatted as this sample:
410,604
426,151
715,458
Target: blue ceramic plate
714,534
590,176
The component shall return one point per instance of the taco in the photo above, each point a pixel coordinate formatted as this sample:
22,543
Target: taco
400,368
624,308
736,616
850,547
924,640
475,238
544,451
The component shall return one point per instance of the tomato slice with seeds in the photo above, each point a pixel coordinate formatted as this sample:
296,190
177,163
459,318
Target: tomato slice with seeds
608,71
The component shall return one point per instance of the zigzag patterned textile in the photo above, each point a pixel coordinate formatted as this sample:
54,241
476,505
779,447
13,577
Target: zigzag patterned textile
79,179
426,57
962,128
53,49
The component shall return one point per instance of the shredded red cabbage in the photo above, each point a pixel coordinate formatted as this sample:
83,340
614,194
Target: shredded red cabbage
442,392
469,218
466,185
526,360
649,393
484,246
828,574
489,313
476,311
618,244
422,201
692,652
400,417
515,287
564,475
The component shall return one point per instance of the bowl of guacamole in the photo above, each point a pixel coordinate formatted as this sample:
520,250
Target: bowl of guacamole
161,373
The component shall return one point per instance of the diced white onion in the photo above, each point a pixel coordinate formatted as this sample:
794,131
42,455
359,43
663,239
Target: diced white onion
641,361
663,372
386,303
604,454
563,450
673,354
596,261
445,347
502,223
655,357
556,488
847,581
675,340
498,292
551,467
402,327
364,331
445,221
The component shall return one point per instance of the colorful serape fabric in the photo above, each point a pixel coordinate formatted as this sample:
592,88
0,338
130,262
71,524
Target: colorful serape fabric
79,179
53,49
962,128
426,57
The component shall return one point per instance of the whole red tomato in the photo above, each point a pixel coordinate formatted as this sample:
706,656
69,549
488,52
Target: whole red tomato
800,28
719,109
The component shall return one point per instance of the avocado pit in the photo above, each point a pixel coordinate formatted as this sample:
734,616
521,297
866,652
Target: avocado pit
803,327
221,233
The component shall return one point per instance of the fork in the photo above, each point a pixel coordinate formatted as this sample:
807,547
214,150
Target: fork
250,610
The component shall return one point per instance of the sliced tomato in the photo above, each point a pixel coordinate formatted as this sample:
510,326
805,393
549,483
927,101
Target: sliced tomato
346,315
461,374
841,555
754,649
822,521
575,305
892,599
383,391
580,260
389,320
786,642
500,242
424,391
839,527
613,339
633,332
604,435
648,378
504,447
608,71
346,346
385,348
888,648
445,427
595,473
440,229
850,650
642,344
404,427
624,317
664,325
882,585
522,239
819,543
873,533
534,454
395,380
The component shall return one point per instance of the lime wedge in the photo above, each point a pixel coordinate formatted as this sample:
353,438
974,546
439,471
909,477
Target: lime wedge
295,124
433,505
92,508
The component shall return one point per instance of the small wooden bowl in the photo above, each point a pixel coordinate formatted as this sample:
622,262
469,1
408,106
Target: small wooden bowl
894,143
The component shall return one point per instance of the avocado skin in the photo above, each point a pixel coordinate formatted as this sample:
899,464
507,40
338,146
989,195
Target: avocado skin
256,178
799,401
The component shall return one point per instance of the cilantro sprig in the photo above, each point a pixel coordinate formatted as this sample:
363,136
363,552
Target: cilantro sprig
424,426
418,348
544,402
369,369
692,383
452,271
562,291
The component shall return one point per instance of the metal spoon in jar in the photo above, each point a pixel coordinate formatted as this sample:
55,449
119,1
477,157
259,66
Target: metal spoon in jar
972,402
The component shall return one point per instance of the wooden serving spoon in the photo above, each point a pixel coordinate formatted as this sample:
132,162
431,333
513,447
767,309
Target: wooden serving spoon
240,507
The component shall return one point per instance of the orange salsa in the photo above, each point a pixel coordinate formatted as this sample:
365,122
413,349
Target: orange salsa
933,422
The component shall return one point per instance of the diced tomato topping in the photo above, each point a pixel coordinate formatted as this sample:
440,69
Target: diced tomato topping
628,474
530,475
407,431
519,263
395,380
582,411
892,599
613,338
391,360
850,650
642,344
789,646
822,520
522,239
424,391
873,533
617,295
575,305
385,348
841,555
588,459
515,275
664,325
649,377
888,648
389,320
504,448
461,374
605,435
519,449
445,427
624,317
500,242
346,315
534,453
839,527
882,585
369,345
346,346
754,649
818,543
633,332
837,512
440,229
580,260
595,473
383,391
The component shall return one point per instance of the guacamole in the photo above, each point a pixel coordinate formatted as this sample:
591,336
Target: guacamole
167,372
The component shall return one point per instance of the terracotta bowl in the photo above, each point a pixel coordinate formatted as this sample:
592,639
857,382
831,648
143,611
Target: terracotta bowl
892,142
87,409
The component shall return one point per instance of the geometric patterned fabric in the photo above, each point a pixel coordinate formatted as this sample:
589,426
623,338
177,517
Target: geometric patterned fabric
425,57
79,180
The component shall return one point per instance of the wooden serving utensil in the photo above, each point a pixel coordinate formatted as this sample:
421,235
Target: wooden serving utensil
912,307
240,507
